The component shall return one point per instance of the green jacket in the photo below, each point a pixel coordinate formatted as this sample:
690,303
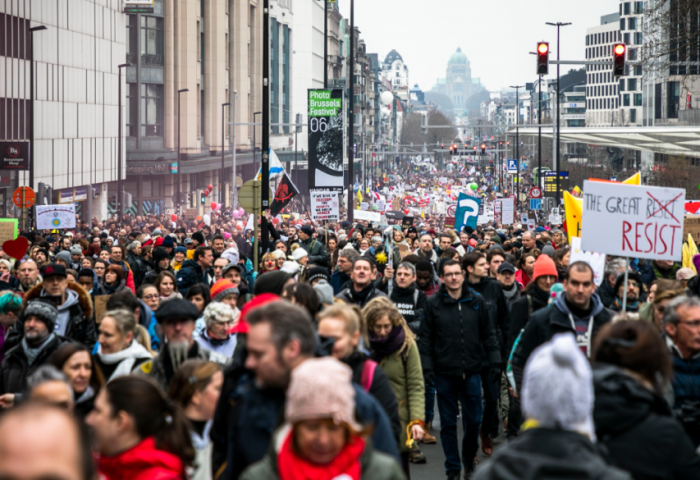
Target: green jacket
669,274
406,376
375,465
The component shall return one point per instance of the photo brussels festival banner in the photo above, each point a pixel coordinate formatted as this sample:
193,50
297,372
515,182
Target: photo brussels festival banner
326,134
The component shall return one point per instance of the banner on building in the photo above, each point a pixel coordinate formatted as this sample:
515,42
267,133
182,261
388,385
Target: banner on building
325,205
49,217
633,221
326,133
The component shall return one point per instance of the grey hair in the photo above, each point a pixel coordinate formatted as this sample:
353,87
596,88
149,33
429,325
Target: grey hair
217,312
377,239
48,373
349,253
614,266
407,266
671,311
124,320
133,245
287,322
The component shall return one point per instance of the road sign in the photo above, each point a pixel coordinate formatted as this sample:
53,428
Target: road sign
512,195
249,196
535,192
613,179
512,166
452,210
535,204
29,197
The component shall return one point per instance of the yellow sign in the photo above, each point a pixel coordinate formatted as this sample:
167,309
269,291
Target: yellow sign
574,213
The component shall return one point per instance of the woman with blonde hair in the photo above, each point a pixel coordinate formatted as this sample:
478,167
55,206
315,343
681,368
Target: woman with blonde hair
393,347
119,353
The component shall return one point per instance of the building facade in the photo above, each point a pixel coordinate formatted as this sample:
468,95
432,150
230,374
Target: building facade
630,86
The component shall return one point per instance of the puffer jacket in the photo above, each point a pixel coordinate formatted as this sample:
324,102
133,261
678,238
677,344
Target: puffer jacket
191,273
317,252
638,429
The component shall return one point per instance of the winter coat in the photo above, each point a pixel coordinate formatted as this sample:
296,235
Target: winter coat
142,462
317,252
452,333
81,327
544,454
669,274
15,368
410,302
191,273
129,280
497,306
346,296
380,388
122,363
114,288
152,274
606,293
433,259
520,315
638,429
338,279
406,376
139,268
686,391
374,465
515,295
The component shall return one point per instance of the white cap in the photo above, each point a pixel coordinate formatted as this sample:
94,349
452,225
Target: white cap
299,253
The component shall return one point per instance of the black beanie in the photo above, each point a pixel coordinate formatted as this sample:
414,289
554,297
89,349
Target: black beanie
271,282
424,266
159,253
199,236
632,275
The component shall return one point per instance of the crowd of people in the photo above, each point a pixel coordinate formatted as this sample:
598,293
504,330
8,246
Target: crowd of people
143,349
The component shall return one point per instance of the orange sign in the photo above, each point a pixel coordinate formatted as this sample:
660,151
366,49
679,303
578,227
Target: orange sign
29,197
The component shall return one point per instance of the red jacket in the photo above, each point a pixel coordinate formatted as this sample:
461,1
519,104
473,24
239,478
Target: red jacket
142,462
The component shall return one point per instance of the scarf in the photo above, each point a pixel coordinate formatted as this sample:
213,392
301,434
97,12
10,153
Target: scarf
33,353
125,358
86,395
383,347
361,296
631,306
346,465
510,293
169,297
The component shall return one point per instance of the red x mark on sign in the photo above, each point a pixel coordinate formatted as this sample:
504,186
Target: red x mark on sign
663,207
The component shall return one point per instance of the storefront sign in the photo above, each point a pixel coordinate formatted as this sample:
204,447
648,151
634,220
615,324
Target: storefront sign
14,155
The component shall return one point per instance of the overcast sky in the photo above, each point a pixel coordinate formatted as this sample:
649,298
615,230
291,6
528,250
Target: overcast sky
496,35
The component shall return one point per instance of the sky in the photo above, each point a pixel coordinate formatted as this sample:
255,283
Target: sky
496,35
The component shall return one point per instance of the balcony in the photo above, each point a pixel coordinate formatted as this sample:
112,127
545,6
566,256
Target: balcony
336,83
146,59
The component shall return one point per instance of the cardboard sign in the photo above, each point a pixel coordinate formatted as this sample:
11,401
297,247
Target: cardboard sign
369,216
407,222
691,225
8,229
403,250
633,220
324,205
101,306
189,212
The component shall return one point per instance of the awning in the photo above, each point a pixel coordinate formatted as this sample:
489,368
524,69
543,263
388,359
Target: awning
666,140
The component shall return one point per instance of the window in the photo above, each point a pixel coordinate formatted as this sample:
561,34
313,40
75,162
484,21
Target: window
199,44
673,99
151,40
151,110
626,37
626,100
622,23
638,70
632,23
132,110
227,50
622,84
638,38
632,54
637,99
398,74
638,8
633,115
626,8
631,84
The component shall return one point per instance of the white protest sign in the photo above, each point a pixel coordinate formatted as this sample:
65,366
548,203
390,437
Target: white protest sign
381,206
49,217
508,212
366,215
364,206
249,224
595,260
324,205
633,220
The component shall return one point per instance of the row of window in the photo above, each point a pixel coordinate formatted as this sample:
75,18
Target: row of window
631,84
614,102
683,70
601,91
602,37
632,8
631,23
605,51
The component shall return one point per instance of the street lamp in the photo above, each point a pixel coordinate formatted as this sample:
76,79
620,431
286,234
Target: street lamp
517,141
221,176
325,43
558,25
179,167
120,186
255,155
31,105
351,134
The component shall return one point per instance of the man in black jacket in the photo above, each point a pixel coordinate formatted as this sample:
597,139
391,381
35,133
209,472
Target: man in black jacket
195,271
362,289
139,267
454,334
317,253
404,293
578,311
37,344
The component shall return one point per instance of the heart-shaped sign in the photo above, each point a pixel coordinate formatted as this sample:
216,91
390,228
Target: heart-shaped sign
16,248
692,207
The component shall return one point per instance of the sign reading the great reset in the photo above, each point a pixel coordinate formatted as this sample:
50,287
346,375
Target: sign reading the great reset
633,220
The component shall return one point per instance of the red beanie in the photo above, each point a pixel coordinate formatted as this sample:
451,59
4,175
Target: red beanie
258,301
544,265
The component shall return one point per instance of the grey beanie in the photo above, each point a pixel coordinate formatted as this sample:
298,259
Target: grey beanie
76,250
43,310
65,256
324,291
548,250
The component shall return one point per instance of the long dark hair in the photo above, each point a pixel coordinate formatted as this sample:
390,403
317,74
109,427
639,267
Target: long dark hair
67,350
154,415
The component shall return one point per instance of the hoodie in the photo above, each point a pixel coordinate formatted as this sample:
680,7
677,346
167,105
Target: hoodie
582,322
64,311
142,462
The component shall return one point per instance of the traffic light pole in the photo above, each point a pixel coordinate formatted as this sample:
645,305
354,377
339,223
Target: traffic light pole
265,164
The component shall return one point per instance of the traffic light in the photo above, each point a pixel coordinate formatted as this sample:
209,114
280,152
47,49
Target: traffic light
619,59
203,198
189,199
543,58
451,152
483,149
500,144
474,148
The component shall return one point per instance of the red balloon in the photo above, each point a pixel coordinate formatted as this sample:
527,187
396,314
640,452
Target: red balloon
173,217
209,187
206,193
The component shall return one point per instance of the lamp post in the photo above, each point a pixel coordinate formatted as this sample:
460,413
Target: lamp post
221,176
31,106
325,43
558,25
179,167
351,133
517,141
120,164
255,155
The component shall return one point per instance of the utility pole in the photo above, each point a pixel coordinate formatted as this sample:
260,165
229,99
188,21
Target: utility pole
558,25
351,134
31,112
265,164
221,176
517,141
179,160
120,161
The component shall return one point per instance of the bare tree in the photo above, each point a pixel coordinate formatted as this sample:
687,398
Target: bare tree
677,172
411,130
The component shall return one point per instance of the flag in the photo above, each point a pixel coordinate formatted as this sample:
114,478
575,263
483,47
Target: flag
285,191
635,179
275,166
574,211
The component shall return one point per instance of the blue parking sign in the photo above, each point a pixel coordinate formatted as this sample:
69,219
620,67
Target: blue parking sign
512,166
535,204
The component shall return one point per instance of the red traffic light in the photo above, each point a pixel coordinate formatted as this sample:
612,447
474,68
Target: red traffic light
483,145
543,48
475,148
619,49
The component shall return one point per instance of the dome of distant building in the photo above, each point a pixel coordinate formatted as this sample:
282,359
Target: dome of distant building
457,58
393,56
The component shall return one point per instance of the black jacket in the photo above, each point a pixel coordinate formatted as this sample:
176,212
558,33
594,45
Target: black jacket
349,296
153,273
497,306
189,274
411,303
139,267
15,368
606,293
317,252
636,426
546,323
544,454
519,315
453,331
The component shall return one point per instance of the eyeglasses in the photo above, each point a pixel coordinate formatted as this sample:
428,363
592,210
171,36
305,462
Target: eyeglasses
691,324
150,297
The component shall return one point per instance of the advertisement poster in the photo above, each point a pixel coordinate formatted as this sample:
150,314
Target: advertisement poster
14,155
326,138
49,217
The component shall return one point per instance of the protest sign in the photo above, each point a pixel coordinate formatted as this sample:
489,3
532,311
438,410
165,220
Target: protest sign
364,206
49,217
367,215
101,306
633,220
595,260
8,229
467,212
508,211
691,225
407,222
324,205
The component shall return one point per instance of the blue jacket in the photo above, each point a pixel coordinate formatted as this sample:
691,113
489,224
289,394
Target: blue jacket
686,379
338,279
189,274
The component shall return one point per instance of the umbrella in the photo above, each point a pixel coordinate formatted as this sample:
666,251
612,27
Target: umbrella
395,215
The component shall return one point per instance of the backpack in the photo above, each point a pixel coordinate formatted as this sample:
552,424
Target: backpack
368,374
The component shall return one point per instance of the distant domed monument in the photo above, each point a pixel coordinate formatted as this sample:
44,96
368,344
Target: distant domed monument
458,83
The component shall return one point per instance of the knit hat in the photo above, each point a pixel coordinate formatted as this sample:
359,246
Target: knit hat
271,282
321,388
198,236
299,253
324,290
290,267
182,250
696,262
221,289
496,239
278,254
159,254
558,387
159,242
259,300
177,309
156,232
168,242
76,250
632,275
544,265
548,250
65,256
307,230
86,272
685,273
319,272
44,310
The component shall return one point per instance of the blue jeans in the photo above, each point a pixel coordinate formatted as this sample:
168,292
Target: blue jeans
451,392
429,402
